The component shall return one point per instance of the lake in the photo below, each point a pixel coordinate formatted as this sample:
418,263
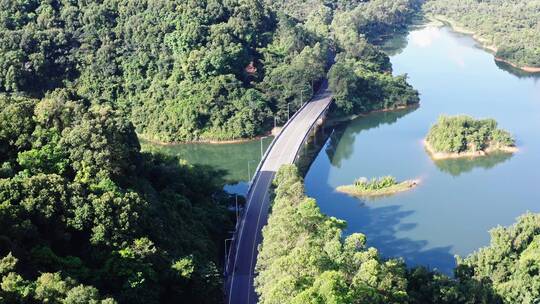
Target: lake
458,201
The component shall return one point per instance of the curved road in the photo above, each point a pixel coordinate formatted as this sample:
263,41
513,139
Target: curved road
243,257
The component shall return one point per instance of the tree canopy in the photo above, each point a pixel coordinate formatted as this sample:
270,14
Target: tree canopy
512,26
457,134
511,262
361,78
305,258
85,216
190,70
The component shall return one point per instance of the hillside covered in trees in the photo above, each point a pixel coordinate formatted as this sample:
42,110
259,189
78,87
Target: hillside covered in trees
85,216
304,258
202,70
511,26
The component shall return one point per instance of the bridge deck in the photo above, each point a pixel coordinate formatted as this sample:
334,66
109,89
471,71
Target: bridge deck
284,150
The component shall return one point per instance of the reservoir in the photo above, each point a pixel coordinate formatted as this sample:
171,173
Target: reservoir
458,201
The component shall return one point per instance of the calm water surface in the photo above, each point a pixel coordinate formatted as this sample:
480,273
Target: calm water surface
236,161
458,201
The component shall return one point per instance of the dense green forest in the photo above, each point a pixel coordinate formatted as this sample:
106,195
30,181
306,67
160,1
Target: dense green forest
304,258
361,78
458,134
84,215
201,70
512,26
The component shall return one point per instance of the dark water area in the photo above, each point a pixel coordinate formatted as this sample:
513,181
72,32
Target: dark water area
237,161
459,200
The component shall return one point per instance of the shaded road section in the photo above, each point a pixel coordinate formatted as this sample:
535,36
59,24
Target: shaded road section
243,255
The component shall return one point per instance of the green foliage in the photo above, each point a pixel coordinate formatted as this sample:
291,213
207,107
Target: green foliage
88,216
455,134
510,263
184,267
16,126
359,87
426,286
375,183
361,78
510,25
312,263
305,259
186,70
47,288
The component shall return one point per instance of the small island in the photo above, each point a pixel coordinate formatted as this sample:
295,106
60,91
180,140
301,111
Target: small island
382,186
464,136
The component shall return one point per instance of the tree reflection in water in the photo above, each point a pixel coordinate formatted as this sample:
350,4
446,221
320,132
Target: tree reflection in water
458,166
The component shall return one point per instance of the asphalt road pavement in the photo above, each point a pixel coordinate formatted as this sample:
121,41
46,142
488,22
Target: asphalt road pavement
243,258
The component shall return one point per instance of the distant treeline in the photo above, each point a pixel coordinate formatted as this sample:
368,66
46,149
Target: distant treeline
304,258
512,26
187,70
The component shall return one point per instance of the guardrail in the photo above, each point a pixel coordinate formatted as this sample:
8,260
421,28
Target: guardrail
234,247
306,136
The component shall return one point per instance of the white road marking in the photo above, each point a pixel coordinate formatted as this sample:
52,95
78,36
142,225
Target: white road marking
277,156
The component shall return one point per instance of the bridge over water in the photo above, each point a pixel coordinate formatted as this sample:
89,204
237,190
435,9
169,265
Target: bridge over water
284,149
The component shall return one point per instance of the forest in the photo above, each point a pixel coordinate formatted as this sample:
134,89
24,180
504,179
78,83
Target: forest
511,26
85,216
201,70
305,258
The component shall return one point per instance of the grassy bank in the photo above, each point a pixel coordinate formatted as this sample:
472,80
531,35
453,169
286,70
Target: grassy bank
377,187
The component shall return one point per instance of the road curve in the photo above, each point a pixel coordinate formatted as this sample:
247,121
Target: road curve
243,256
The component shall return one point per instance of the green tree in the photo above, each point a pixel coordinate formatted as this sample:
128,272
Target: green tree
312,262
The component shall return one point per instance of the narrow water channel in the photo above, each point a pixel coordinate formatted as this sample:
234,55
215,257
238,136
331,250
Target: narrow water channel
458,201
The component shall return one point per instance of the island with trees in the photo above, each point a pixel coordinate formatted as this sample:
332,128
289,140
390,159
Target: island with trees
386,185
509,28
463,136
304,258
87,217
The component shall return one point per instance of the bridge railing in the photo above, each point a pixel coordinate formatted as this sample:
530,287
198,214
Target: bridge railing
239,223
313,125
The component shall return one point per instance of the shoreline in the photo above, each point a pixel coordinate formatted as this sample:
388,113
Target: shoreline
483,42
458,28
272,132
398,188
470,154
337,120
211,142
527,69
